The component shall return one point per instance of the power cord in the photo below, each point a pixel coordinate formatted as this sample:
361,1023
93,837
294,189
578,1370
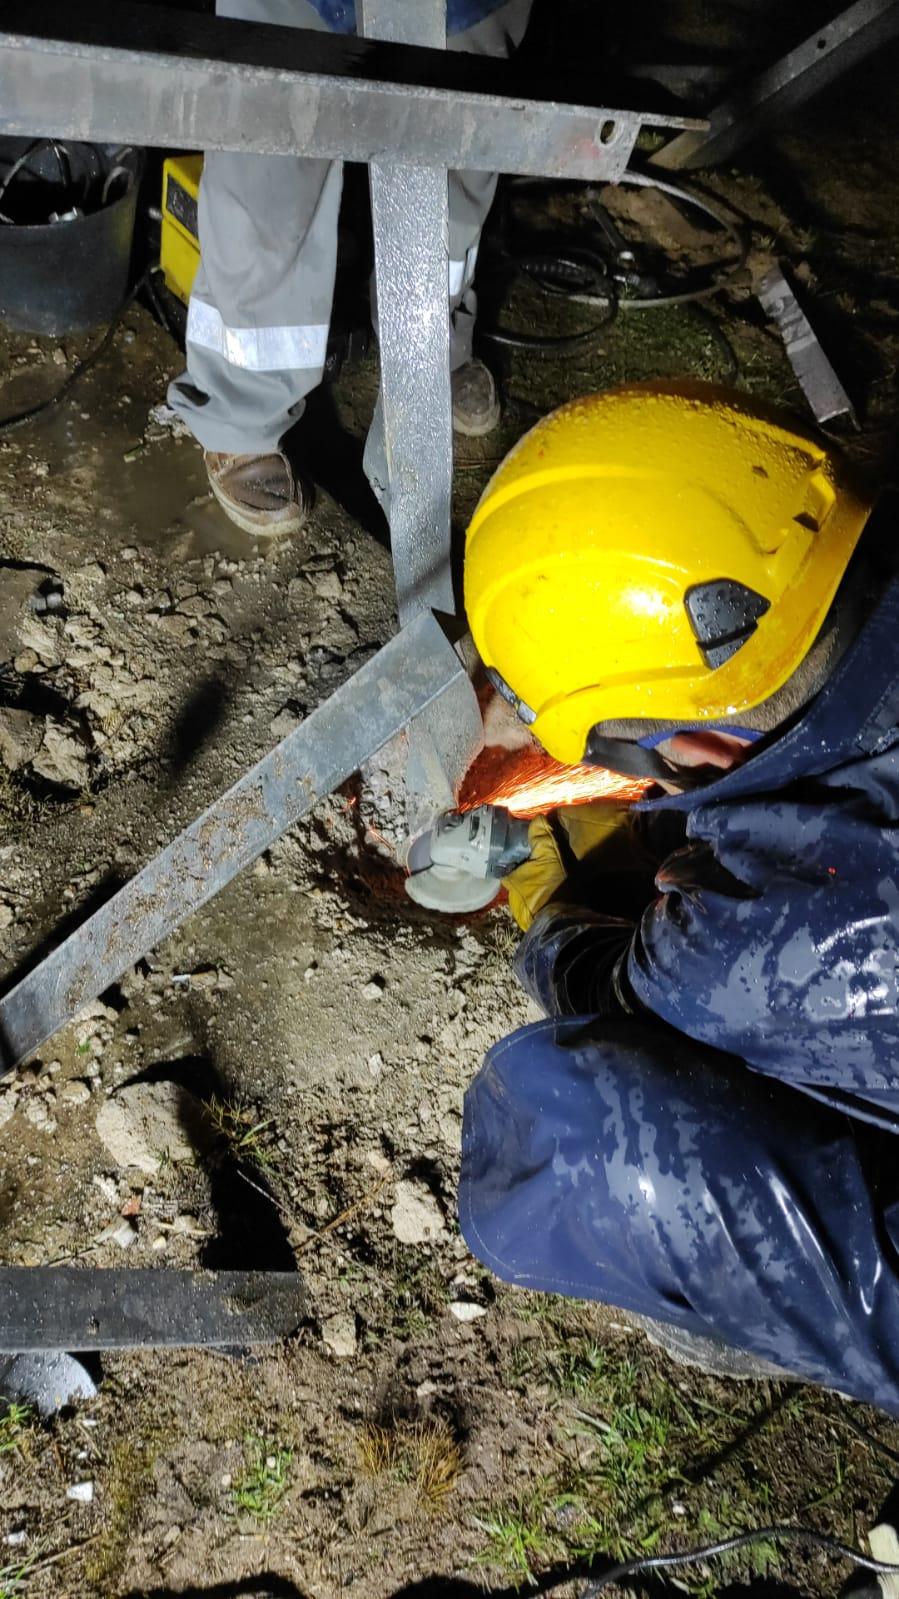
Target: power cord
582,276
726,1546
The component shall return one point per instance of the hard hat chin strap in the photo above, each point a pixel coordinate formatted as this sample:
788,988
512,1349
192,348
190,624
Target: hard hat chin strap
632,760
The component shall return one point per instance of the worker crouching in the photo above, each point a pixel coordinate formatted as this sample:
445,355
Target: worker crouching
672,583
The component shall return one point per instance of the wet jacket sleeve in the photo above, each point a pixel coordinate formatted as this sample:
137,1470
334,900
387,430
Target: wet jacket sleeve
775,938
573,959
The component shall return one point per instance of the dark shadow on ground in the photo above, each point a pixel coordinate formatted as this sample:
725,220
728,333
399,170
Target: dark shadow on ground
249,1234
194,725
321,449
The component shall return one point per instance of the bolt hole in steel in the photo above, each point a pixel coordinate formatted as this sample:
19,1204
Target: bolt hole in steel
822,43
607,131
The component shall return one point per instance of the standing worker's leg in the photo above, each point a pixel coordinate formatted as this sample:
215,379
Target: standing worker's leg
625,1163
475,403
257,326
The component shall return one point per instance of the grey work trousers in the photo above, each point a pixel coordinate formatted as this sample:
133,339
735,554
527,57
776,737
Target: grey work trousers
257,326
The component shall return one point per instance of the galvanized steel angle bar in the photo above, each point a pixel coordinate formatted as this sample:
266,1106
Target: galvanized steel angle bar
158,76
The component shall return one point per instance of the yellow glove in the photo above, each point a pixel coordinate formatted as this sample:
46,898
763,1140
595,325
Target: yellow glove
575,831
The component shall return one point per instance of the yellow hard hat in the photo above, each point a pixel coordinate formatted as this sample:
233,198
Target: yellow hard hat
658,552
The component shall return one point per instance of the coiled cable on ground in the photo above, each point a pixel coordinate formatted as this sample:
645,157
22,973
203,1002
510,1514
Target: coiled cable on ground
582,276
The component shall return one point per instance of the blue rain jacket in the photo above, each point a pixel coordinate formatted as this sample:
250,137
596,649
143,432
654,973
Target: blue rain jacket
712,1140
340,15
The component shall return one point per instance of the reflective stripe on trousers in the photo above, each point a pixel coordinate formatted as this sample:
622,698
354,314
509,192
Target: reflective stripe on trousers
258,321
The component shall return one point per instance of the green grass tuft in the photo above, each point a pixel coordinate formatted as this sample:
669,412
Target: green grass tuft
260,1488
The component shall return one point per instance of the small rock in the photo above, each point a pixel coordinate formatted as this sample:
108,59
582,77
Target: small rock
375,1064
7,1108
284,723
37,1114
147,1122
188,1224
16,1539
465,1310
81,1492
163,417
373,991
20,737
108,1187
62,759
122,1233
46,1381
416,1216
204,977
74,1093
326,584
339,1334
180,627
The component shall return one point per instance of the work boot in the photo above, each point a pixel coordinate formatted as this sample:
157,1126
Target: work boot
259,492
475,400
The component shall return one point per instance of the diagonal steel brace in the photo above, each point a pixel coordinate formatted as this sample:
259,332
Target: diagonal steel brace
405,677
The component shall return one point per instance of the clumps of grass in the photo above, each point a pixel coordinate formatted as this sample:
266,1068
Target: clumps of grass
419,1295
16,1424
628,1444
519,1539
424,1454
247,1138
259,1488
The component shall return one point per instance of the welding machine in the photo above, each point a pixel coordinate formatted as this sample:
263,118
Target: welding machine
179,254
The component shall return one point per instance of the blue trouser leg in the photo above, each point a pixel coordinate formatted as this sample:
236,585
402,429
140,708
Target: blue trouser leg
620,1161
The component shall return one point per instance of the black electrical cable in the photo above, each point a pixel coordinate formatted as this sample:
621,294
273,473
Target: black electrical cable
880,1448
19,165
579,276
725,1546
20,418
582,277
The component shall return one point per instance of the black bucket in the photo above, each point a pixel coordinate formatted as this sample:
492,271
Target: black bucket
70,274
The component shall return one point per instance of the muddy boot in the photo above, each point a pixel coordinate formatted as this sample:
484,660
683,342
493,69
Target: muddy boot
475,400
259,492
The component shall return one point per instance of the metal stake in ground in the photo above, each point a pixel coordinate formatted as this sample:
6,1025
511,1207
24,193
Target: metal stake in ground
394,687
820,384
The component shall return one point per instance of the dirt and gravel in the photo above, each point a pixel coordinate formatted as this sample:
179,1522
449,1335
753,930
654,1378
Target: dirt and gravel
280,1084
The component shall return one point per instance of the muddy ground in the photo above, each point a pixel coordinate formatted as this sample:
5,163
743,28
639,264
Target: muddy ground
427,1422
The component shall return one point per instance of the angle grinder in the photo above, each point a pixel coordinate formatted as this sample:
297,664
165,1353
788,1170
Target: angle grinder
459,863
